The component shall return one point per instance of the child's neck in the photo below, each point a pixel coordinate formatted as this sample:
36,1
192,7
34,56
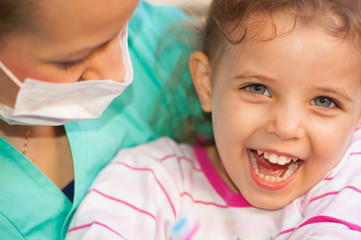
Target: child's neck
218,165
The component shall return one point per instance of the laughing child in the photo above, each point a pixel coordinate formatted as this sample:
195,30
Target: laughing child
282,81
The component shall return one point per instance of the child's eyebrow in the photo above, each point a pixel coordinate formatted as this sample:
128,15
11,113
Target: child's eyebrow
253,76
336,90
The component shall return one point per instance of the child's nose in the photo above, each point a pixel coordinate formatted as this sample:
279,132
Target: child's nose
287,122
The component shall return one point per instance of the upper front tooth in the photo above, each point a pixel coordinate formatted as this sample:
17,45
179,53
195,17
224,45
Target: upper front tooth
273,158
282,160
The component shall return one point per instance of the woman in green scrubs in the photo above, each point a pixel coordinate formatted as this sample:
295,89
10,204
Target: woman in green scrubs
46,167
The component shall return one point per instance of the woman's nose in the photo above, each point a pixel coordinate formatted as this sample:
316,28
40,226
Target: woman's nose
287,122
106,62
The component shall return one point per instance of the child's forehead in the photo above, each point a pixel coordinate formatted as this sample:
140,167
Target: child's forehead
298,38
263,26
296,50
260,28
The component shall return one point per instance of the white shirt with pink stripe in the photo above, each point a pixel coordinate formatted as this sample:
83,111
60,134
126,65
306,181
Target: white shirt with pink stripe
145,189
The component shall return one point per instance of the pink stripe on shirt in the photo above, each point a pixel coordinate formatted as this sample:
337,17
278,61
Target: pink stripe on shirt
327,219
125,203
156,179
202,202
284,232
328,179
335,192
180,158
355,153
95,223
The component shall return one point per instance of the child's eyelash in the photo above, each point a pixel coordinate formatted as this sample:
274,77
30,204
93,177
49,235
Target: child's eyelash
322,99
324,102
256,88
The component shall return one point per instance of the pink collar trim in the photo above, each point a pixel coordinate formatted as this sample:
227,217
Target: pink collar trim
232,199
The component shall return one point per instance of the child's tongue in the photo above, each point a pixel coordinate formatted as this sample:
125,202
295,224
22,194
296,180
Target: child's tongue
270,169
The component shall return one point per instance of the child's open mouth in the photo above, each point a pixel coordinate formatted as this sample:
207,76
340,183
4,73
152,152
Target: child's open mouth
271,170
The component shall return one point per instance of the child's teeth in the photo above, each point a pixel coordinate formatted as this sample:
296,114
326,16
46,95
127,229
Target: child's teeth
282,160
273,158
259,153
273,179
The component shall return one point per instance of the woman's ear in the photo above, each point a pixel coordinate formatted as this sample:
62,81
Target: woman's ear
200,70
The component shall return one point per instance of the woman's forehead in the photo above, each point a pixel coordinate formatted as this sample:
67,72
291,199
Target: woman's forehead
67,25
67,16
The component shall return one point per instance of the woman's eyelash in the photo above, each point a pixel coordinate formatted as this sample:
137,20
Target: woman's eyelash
69,64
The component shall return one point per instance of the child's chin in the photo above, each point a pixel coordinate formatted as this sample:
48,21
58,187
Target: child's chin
268,203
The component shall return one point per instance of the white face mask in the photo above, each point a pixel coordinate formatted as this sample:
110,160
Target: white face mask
54,104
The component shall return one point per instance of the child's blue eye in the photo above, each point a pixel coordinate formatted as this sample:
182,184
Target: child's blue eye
258,89
323,102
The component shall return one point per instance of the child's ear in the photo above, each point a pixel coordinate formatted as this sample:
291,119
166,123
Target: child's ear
200,70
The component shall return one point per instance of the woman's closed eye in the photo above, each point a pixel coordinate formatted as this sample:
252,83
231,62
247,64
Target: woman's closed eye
69,64
73,63
258,89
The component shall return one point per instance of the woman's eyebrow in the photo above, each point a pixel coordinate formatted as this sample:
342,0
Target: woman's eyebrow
75,56
85,52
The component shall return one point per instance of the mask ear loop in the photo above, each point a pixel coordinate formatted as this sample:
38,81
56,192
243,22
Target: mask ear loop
125,55
10,74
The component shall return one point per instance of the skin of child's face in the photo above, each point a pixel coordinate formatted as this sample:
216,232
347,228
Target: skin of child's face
69,31
274,96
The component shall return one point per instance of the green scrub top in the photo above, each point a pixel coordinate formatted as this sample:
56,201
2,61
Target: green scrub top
31,206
